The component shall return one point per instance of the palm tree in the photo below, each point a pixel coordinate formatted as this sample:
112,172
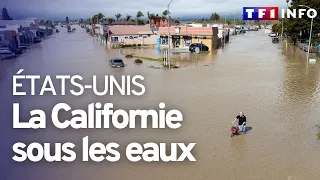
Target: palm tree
150,16
164,15
118,16
100,16
94,19
110,20
128,17
139,14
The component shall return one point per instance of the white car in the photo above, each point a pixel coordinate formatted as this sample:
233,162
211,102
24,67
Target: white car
272,34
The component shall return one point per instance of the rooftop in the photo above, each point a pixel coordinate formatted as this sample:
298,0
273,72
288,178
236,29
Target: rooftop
15,22
187,30
129,30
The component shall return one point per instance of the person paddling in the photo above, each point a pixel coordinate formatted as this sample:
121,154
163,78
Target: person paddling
242,120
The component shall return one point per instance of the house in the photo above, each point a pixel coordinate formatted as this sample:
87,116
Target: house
184,36
158,22
9,38
129,35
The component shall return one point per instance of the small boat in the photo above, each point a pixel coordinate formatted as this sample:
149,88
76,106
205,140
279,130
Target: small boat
275,40
7,54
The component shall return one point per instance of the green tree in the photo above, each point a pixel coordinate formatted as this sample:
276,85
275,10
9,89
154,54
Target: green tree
128,18
110,20
138,16
215,17
293,26
150,16
5,14
140,22
165,13
228,21
94,19
118,16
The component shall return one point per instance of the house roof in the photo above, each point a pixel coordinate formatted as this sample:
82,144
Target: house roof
120,22
186,30
15,22
129,30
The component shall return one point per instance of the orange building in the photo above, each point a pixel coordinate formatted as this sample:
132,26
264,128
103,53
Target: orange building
157,22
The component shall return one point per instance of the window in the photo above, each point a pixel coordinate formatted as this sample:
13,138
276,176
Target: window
114,39
144,36
140,35
117,60
136,37
149,35
126,37
131,37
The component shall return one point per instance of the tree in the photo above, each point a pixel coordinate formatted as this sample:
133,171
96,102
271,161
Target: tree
228,21
5,14
215,17
110,20
94,19
164,15
128,17
140,22
67,20
150,16
80,21
139,15
293,26
118,16
89,21
100,17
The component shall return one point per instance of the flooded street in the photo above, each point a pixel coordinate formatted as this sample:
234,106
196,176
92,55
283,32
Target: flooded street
274,86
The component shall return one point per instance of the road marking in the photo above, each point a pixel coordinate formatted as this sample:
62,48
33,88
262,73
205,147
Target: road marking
88,86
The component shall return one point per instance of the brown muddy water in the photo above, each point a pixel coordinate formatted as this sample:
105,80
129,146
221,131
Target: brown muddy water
273,85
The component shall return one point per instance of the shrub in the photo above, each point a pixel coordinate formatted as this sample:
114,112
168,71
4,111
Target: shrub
138,61
128,56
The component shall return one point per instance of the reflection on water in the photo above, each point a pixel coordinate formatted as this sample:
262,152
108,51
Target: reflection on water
273,85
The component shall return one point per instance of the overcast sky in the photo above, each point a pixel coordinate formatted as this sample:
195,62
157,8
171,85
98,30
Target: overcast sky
59,9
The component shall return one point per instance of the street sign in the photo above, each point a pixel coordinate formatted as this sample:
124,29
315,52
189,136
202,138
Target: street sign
197,50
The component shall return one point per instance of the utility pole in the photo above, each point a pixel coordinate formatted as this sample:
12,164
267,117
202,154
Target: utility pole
168,19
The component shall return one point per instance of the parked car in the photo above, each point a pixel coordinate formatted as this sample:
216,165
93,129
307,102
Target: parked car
202,47
116,62
36,40
272,34
16,51
23,46
7,54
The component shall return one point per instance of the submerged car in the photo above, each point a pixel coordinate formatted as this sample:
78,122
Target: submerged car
202,47
23,46
36,40
7,54
275,40
116,62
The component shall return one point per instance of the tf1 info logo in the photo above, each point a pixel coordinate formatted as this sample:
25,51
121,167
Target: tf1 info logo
272,13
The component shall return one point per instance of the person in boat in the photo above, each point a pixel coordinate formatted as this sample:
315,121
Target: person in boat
242,120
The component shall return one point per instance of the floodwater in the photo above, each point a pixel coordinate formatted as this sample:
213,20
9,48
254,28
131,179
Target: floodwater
274,86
